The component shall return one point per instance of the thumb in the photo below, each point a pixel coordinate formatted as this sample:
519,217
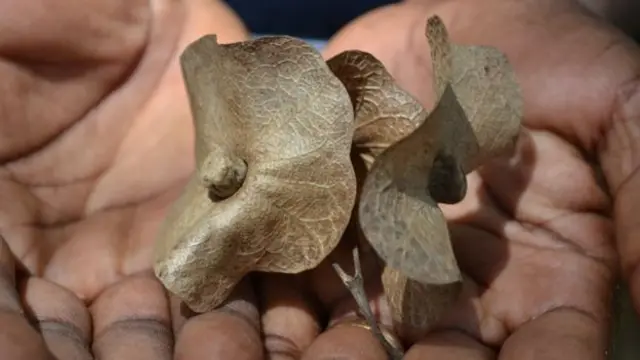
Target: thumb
72,30
620,159
58,59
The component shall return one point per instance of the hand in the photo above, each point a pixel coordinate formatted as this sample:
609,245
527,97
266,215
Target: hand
536,231
96,132
127,112
62,322
41,320
95,143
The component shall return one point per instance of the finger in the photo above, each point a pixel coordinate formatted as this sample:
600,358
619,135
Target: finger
449,345
338,300
345,341
560,334
342,340
328,288
620,157
180,313
97,28
63,52
348,308
231,332
289,323
62,319
18,339
132,321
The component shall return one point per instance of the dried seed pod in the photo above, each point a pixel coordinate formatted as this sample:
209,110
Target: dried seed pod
416,306
384,112
398,213
486,87
274,187
477,116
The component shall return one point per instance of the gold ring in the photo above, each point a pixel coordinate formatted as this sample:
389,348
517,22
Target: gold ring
391,338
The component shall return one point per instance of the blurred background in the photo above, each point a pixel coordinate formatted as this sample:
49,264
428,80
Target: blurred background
319,20
300,18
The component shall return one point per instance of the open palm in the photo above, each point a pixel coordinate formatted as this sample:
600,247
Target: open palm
96,142
535,232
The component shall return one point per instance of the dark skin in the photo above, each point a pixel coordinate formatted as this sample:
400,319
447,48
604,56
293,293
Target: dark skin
96,142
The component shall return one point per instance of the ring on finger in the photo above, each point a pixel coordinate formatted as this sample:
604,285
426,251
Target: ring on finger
391,338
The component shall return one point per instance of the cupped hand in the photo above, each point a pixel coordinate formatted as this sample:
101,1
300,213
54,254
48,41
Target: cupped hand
537,231
96,142
96,136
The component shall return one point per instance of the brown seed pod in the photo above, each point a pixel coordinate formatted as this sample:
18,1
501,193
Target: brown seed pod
274,187
476,117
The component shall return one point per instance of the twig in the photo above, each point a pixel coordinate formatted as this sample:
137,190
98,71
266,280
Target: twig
355,284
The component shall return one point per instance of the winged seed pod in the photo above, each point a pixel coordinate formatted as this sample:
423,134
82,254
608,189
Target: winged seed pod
384,113
274,187
486,87
477,117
